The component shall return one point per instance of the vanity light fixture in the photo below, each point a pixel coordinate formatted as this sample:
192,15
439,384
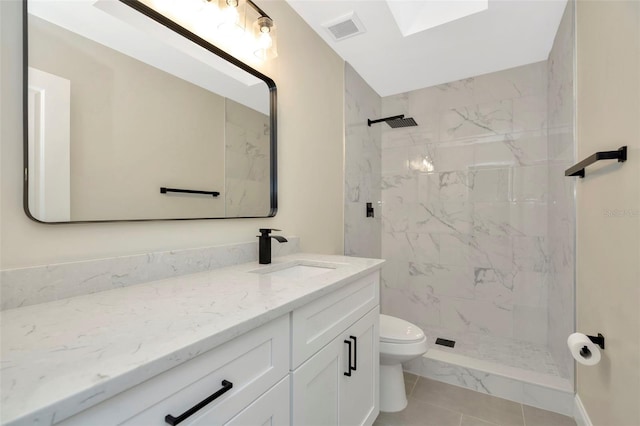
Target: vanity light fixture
262,35
240,27
265,33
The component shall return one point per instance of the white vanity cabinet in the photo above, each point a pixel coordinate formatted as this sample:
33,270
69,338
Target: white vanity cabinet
253,363
315,365
337,384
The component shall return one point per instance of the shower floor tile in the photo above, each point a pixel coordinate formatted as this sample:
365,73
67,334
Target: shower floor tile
508,352
518,371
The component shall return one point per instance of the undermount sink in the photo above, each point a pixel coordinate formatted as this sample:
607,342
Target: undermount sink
297,269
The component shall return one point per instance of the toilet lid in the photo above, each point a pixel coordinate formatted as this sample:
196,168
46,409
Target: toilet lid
396,330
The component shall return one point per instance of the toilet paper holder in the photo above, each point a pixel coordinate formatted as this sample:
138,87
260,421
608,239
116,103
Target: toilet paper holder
598,340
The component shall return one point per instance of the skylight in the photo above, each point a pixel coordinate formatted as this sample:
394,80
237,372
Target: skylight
416,16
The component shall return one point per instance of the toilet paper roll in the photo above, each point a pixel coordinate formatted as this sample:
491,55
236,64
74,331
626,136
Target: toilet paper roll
583,349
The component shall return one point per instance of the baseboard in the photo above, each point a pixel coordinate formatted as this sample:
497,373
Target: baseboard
580,414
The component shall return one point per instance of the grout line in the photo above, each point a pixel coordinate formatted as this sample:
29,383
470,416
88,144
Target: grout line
524,422
440,407
413,386
482,420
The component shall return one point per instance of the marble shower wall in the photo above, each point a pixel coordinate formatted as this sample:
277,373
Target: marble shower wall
561,212
464,205
362,167
247,161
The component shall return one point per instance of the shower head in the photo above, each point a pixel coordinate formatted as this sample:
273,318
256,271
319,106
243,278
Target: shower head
402,122
395,122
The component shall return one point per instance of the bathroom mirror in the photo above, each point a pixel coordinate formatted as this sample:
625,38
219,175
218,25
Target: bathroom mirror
129,116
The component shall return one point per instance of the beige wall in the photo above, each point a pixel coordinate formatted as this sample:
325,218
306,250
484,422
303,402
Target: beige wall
134,128
309,76
608,208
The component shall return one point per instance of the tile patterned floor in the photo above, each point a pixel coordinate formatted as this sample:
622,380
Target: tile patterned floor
433,403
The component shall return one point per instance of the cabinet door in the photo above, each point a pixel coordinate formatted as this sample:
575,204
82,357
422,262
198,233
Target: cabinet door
359,393
315,389
323,395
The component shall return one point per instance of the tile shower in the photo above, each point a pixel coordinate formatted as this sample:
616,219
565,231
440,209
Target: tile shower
477,220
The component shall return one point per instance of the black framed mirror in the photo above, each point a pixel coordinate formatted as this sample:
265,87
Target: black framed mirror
129,116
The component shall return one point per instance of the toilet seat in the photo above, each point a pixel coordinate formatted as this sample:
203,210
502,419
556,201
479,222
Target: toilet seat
396,330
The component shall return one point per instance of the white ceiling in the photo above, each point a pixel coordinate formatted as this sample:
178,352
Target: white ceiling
509,33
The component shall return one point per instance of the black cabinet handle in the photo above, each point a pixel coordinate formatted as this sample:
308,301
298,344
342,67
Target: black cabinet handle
226,386
348,373
355,353
352,366
164,190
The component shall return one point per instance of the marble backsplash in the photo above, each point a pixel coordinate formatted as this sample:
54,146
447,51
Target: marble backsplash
464,205
29,286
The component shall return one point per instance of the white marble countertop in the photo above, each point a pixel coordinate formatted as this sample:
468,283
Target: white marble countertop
62,357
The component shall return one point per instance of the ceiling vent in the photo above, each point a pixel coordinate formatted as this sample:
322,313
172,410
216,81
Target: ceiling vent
344,27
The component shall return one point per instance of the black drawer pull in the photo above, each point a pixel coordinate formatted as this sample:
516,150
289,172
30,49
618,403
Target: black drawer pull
355,353
226,386
348,373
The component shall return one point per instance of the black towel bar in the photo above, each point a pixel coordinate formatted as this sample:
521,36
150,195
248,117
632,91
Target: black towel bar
578,169
164,190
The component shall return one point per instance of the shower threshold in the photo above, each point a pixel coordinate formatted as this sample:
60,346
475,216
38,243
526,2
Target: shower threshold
516,370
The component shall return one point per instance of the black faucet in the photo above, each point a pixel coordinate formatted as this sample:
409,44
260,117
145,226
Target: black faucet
264,252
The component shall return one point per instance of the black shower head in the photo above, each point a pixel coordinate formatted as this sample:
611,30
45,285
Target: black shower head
395,121
402,122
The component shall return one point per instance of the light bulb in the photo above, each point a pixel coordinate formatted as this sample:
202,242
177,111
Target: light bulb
230,16
265,41
265,38
202,23
230,23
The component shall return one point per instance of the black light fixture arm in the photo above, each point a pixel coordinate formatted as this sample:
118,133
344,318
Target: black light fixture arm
578,169
234,3
257,9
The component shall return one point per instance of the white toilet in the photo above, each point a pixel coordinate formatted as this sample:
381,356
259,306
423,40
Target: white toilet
400,341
